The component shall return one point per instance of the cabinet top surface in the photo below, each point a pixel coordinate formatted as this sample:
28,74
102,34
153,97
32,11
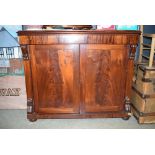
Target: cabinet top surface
34,32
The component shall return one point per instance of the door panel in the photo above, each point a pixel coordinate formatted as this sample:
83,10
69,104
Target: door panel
55,73
103,77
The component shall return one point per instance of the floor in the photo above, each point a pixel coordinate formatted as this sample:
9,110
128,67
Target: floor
16,119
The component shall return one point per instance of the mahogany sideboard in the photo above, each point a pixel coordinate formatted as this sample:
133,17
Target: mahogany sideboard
78,73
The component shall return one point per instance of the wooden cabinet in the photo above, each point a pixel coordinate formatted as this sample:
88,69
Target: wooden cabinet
78,74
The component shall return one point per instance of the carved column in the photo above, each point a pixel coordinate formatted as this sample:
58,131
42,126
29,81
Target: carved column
132,51
28,79
130,71
25,53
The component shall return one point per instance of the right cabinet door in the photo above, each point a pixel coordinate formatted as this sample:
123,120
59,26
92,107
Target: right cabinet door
103,72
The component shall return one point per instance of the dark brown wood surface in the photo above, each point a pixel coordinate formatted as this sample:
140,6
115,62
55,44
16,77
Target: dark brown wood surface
76,36
103,77
78,74
55,72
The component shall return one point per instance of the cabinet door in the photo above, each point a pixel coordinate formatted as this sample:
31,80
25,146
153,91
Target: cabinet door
55,74
103,77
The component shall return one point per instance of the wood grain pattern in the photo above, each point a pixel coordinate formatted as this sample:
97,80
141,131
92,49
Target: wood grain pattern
129,69
99,65
145,87
143,90
143,118
73,116
145,105
145,79
76,36
56,78
79,74
28,77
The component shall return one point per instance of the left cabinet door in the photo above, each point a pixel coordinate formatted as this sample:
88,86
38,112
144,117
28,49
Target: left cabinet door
55,76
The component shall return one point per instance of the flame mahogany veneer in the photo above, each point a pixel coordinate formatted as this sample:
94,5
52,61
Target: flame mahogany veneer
78,74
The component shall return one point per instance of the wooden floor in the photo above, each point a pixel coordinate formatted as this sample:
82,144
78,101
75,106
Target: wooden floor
13,102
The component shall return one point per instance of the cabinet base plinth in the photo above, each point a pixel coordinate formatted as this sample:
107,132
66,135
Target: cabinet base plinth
36,116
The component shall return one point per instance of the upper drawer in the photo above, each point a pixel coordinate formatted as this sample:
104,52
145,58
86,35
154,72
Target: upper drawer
53,39
79,38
